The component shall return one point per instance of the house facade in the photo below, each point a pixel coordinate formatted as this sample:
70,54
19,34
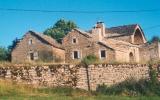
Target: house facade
36,47
116,44
125,43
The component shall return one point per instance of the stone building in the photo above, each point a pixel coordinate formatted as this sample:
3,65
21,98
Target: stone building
37,47
116,44
125,43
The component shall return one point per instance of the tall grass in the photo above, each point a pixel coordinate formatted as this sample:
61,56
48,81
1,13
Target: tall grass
11,88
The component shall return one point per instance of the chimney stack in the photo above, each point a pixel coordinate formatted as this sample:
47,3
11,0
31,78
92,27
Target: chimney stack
98,31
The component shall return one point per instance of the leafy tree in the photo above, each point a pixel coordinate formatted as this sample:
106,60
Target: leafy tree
4,54
154,38
13,45
60,29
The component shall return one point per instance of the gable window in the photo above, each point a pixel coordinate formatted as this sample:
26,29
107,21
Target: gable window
103,54
76,55
74,40
30,41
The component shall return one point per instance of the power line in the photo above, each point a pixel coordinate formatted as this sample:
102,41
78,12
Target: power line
80,11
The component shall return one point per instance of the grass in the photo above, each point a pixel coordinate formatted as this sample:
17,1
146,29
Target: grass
12,91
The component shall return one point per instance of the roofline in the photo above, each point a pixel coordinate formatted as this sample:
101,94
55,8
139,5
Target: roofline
101,43
86,35
139,27
75,29
32,32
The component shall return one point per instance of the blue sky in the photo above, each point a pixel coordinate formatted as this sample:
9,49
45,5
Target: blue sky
14,24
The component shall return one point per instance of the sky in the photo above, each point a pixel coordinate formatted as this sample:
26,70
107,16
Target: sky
14,24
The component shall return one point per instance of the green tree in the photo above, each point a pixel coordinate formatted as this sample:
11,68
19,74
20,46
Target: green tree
13,45
60,29
154,38
4,54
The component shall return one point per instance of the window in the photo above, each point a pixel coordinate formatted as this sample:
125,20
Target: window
30,42
103,54
76,55
33,56
74,40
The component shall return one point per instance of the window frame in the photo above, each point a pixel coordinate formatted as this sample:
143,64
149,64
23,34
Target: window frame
76,40
33,55
30,42
78,54
100,54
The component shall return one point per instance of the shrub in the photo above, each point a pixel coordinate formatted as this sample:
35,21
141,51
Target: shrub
132,87
90,59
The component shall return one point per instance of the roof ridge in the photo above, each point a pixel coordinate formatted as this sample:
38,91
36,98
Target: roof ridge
52,41
83,32
123,26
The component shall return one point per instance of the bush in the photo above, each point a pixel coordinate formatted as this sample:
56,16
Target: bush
90,59
4,54
132,87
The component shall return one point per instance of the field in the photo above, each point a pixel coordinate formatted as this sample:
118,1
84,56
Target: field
59,97
12,91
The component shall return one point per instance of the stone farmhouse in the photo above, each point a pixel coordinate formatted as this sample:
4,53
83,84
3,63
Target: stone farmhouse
37,47
116,44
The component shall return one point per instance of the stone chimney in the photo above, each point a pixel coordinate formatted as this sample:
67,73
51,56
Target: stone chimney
98,31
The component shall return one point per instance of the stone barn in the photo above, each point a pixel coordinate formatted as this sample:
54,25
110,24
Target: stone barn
36,47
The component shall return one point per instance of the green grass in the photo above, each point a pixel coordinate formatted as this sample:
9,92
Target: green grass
12,91
59,97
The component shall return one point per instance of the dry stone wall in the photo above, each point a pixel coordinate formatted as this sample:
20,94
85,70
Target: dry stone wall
75,76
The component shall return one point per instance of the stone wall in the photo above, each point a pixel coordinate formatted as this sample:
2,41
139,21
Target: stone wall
76,76
150,52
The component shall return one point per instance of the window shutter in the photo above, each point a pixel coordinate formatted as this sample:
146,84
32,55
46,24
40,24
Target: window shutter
35,55
79,54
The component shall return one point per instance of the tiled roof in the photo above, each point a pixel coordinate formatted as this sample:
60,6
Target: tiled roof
47,39
122,30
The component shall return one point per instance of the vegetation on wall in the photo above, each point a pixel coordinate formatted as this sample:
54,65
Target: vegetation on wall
90,59
131,87
60,29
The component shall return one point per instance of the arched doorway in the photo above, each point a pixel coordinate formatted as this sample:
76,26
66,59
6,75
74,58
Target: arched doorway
131,57
138,37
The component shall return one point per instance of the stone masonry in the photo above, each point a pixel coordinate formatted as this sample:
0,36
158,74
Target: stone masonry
76,76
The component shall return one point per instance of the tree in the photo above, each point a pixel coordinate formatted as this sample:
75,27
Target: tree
13,45
60,29
4,54
154,38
